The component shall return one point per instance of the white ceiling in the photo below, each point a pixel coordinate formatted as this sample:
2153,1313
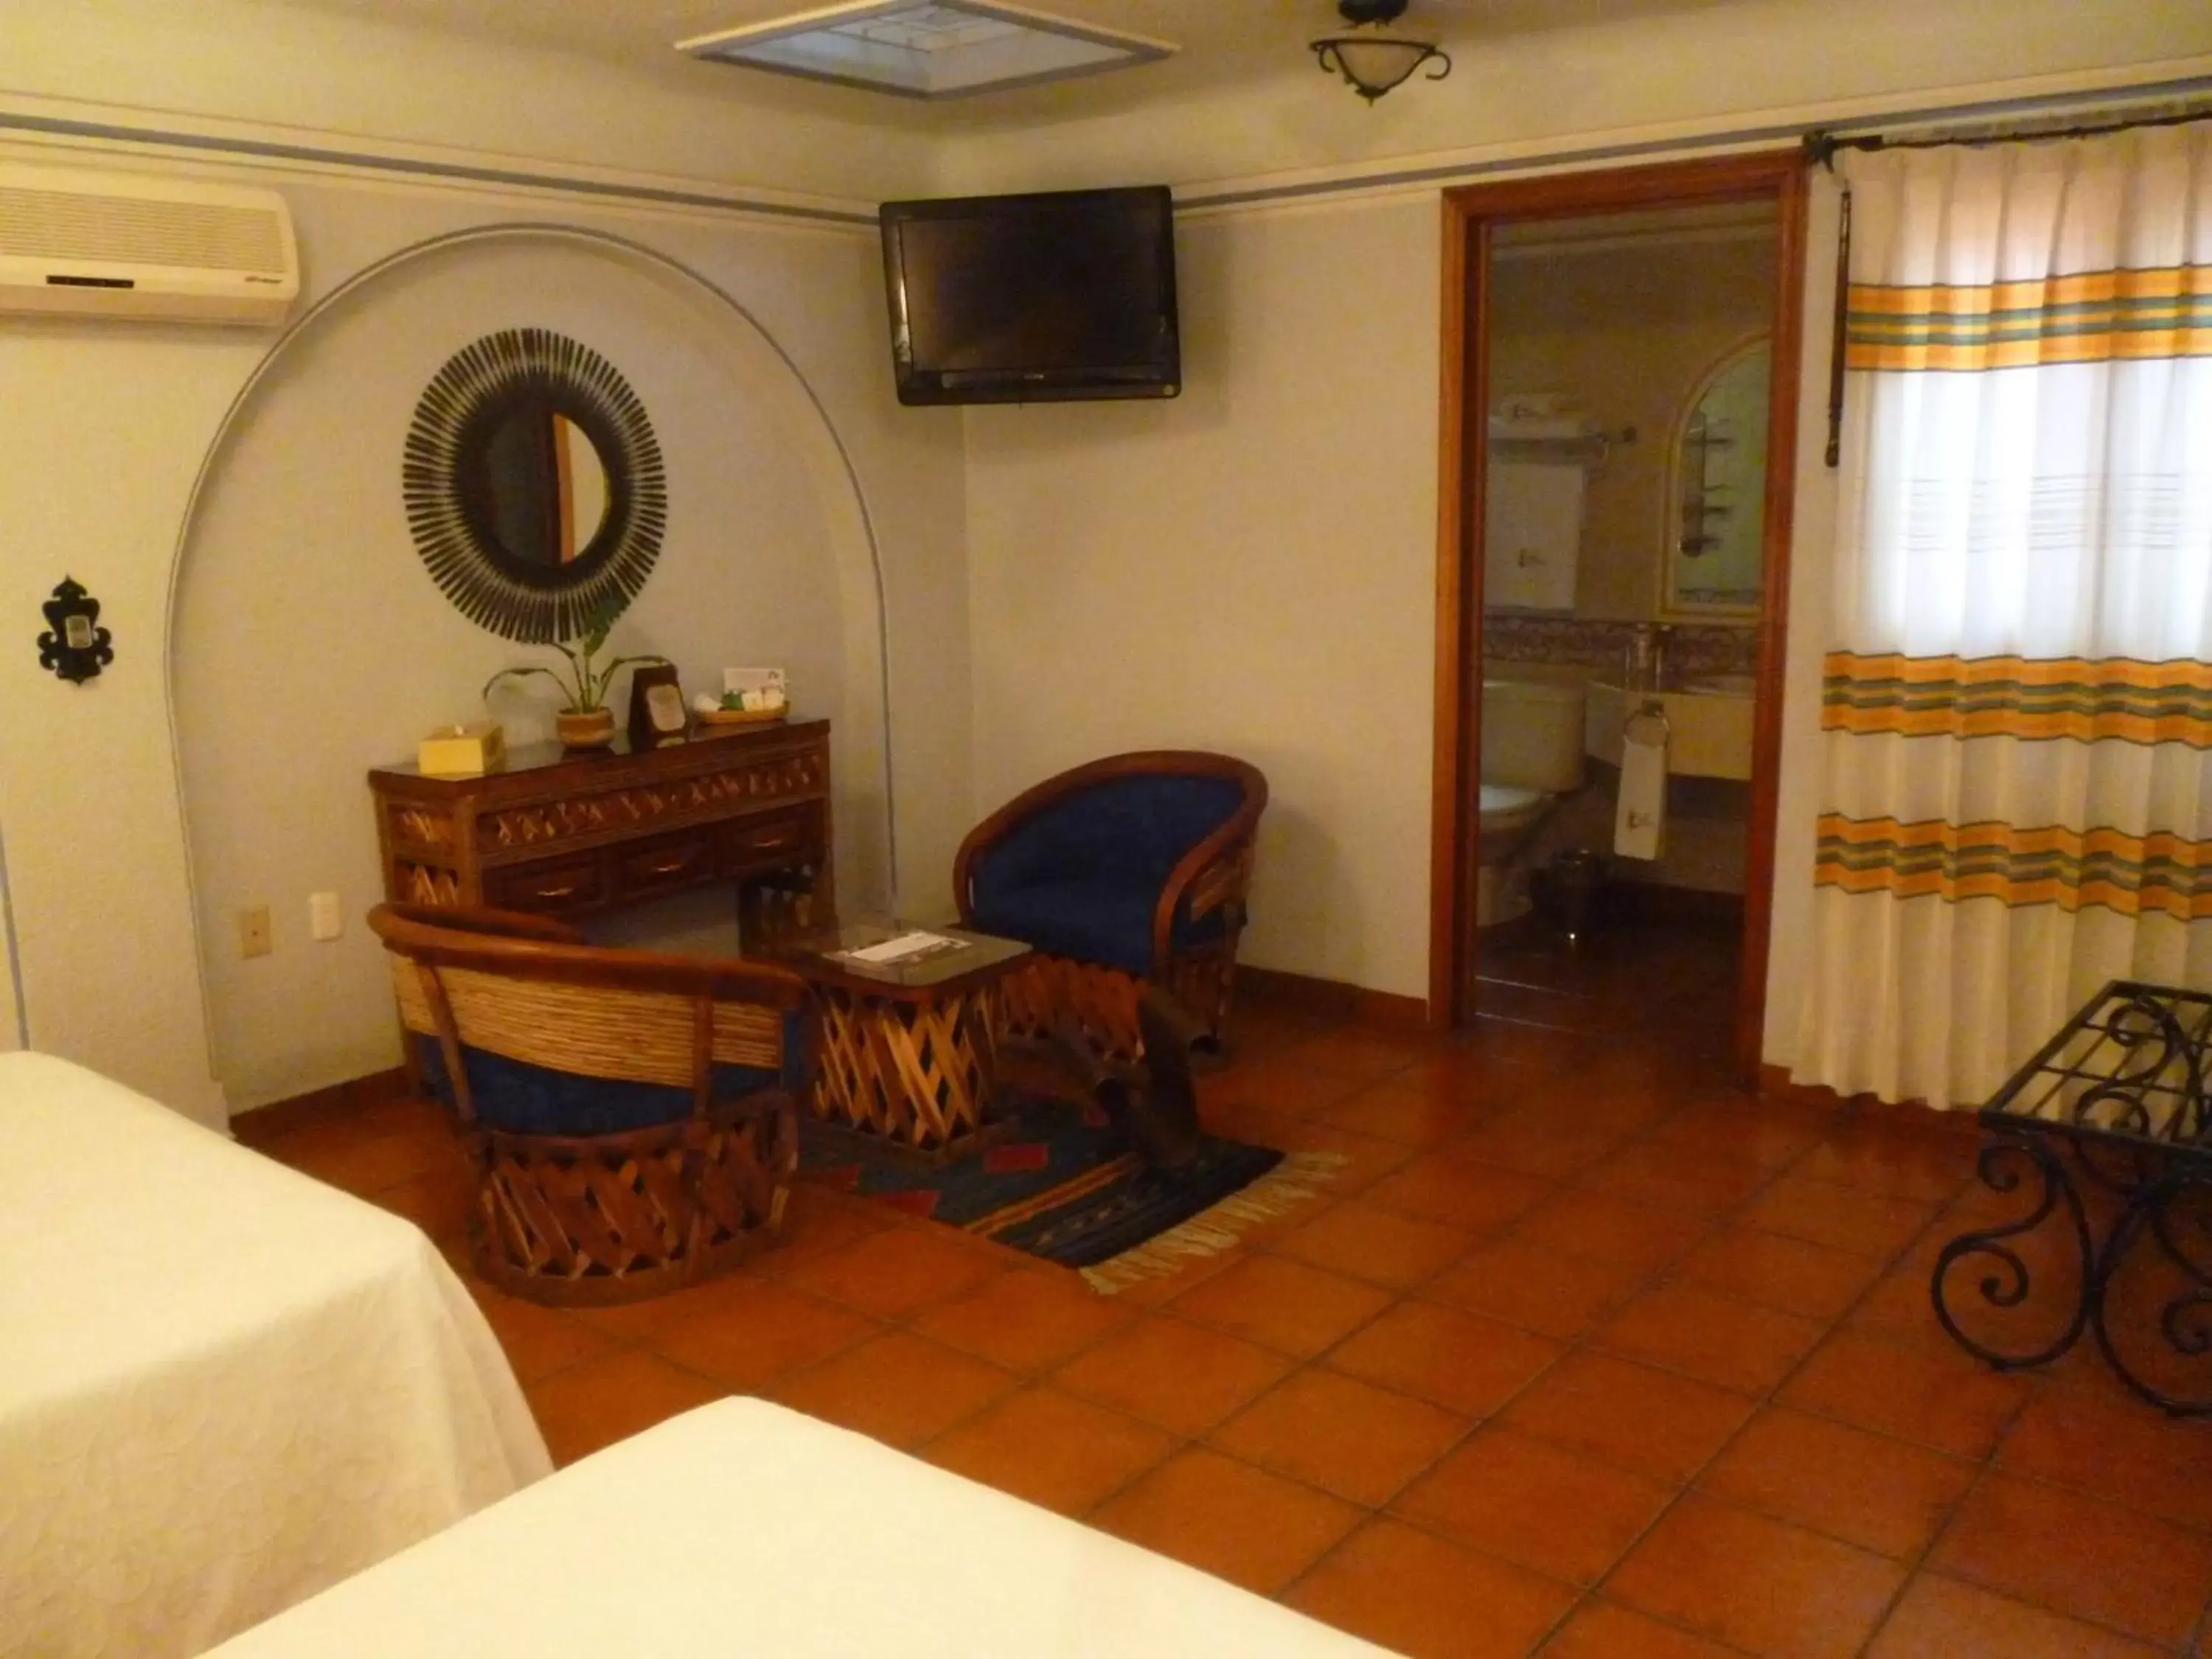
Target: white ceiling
1224,43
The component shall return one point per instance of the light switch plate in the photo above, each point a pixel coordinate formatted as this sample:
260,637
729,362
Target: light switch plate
324,921
253,931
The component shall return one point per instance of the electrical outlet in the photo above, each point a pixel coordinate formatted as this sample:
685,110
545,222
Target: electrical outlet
324,921
253,931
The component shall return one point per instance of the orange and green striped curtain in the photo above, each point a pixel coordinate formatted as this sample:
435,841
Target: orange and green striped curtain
2131,874
2099,316
2030,700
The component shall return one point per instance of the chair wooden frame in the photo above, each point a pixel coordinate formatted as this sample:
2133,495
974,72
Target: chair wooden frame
628,1214
1047,992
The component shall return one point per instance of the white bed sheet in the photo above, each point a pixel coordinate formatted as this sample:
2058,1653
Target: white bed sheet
223,1386
745,1528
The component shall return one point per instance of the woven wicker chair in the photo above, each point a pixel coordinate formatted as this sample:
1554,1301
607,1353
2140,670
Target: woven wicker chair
631,1118
1127,871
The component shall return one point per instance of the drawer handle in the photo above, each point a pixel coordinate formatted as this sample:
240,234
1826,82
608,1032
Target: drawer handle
769,843
566,891
669,866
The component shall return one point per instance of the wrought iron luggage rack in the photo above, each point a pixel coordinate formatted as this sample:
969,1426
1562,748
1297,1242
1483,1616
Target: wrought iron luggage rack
2112,1115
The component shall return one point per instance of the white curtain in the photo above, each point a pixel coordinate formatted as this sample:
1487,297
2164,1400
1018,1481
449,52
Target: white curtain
2017,712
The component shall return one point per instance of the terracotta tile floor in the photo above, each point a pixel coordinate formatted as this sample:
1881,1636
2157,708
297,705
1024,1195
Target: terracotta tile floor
1584,1354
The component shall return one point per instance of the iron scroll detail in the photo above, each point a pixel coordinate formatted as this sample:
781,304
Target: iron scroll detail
75,648
2107,1135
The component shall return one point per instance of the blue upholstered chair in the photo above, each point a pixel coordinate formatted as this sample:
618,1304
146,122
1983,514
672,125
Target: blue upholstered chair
1127,871
631,1118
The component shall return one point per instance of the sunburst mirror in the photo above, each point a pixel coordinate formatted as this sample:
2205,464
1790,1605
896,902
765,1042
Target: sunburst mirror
534,485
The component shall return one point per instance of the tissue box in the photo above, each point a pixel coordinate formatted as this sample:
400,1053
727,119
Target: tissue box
462,751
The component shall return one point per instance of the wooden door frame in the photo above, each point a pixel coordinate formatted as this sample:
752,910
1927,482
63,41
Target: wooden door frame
1470,216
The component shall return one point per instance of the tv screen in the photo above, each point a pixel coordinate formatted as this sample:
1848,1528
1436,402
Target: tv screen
1029,299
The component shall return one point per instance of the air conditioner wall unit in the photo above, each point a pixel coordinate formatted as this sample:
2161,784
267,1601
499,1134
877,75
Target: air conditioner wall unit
80,243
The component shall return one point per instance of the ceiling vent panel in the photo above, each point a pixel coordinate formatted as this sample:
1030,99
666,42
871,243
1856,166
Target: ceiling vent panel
927,48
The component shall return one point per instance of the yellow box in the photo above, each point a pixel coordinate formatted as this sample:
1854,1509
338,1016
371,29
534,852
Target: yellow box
462,751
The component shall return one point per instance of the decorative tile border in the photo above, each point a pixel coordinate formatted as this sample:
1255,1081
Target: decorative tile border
1571,642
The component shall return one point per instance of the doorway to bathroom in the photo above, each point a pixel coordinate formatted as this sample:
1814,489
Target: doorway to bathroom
1618,451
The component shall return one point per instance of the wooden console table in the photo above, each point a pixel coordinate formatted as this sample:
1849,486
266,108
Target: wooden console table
570,833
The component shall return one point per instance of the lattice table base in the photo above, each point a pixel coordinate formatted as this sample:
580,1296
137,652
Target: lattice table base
911,1073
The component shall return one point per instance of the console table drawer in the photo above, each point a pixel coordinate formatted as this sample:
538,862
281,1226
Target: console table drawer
665,865
773,839
550,888
568,833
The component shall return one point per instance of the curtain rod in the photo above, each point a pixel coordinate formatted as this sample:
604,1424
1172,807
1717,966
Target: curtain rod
1821,148
1821,145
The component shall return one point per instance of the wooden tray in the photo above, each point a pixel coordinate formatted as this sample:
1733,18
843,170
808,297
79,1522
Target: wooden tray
729,717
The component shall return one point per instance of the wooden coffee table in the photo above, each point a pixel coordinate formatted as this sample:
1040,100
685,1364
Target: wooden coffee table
908,1054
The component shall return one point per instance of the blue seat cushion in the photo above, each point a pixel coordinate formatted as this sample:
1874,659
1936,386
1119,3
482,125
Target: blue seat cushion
1137,827
1081,876
523,1098
1102,918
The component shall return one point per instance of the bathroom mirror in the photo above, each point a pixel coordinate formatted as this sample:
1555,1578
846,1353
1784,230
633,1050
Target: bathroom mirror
1713,546
533,484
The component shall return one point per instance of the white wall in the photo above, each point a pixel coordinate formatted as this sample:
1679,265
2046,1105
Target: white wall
109,427
310,642
1249,567
105,432
273,74
1255,570
1650,79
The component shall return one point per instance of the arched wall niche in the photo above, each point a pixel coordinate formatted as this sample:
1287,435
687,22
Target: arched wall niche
309,642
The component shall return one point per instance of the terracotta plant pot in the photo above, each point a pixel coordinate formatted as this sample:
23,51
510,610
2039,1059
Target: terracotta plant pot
588,730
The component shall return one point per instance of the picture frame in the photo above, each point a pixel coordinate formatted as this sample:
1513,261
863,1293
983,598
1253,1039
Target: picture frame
658,717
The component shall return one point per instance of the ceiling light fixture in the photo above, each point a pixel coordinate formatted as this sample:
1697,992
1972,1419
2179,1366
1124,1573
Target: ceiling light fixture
1373,63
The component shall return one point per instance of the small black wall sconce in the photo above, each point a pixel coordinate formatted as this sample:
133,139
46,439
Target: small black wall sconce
78,647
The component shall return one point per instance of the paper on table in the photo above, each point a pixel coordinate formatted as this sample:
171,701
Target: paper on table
906,947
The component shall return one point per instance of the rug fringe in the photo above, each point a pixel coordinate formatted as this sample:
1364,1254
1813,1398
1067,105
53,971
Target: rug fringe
1221,1226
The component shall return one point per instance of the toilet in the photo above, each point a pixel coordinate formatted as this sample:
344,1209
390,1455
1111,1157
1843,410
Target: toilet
1532,754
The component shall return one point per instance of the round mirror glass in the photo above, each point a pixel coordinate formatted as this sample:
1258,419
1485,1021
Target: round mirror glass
534,485
545,487
1715,550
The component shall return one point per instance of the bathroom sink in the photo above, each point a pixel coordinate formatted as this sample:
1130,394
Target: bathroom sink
1708,729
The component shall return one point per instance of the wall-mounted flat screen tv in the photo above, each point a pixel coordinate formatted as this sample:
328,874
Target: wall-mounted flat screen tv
1050,297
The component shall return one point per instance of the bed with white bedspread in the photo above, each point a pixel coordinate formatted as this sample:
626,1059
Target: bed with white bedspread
223,1385
744,1528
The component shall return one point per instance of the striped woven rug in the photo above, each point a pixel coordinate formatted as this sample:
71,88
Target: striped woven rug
1062,1184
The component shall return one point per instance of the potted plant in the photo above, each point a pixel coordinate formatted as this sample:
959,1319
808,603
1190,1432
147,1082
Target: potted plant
584,722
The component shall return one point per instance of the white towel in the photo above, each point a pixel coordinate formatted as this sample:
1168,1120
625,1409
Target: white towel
1532,534
1639,821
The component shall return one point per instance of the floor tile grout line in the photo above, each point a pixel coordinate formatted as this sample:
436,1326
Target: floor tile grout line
1919,1567
1983,1466
905,1319
1669,1273
1769,1400
1584,1595
1493,1418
